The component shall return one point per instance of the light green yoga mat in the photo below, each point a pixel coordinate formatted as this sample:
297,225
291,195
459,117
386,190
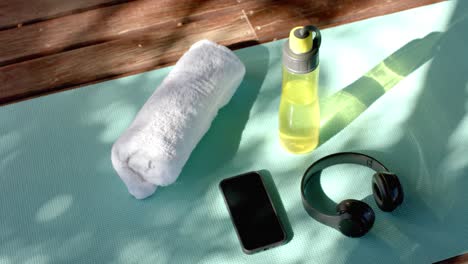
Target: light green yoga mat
62,202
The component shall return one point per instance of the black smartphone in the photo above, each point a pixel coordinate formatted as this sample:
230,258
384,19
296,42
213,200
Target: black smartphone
252,212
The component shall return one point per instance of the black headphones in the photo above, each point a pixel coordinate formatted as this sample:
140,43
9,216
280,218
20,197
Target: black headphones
353,218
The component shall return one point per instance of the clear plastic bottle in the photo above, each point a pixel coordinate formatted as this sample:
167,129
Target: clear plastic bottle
299,114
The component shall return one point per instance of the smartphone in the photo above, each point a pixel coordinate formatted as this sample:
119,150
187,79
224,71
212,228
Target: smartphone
254,217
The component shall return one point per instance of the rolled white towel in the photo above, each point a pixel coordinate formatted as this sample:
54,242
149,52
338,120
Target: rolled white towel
158,143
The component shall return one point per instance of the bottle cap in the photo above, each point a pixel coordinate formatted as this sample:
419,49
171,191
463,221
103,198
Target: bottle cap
301,51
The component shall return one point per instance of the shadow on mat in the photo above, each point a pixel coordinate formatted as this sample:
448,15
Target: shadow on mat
61,201
340,109
430,160
221,142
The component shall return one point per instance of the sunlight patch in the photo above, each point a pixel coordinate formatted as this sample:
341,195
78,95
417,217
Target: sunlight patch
39,259
5,260
113,120
54,208
142,251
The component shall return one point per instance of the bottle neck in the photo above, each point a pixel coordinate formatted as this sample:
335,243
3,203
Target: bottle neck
300,63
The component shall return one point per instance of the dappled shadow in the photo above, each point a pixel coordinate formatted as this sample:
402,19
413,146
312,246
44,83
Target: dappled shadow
63,202
340,109
427,150
52,186
438,125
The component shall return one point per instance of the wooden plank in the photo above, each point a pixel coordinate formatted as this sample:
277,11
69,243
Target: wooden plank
155,47
104,24
14,13
96,26
85,57
461,259
274,19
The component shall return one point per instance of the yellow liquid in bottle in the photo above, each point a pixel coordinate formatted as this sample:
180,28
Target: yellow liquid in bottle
299,115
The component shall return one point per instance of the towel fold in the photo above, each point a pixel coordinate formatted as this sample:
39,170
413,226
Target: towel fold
158,143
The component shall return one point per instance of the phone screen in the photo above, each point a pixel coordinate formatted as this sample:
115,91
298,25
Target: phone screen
252,212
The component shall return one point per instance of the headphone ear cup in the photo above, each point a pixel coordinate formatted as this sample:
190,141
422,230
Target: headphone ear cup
387,190
356,218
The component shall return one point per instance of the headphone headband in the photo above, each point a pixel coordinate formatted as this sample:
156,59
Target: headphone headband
321,164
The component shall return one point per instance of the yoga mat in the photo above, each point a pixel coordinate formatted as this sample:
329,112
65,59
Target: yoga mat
394,87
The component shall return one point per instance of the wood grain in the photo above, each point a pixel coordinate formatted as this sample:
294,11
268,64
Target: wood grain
97,26
461,259
144,51
16,13
114,41
274,19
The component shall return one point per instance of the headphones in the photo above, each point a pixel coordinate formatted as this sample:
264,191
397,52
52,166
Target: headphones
353,218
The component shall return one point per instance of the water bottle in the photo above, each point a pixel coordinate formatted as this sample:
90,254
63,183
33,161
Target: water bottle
299,114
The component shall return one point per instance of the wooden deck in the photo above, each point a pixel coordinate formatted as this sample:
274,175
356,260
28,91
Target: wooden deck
52,45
